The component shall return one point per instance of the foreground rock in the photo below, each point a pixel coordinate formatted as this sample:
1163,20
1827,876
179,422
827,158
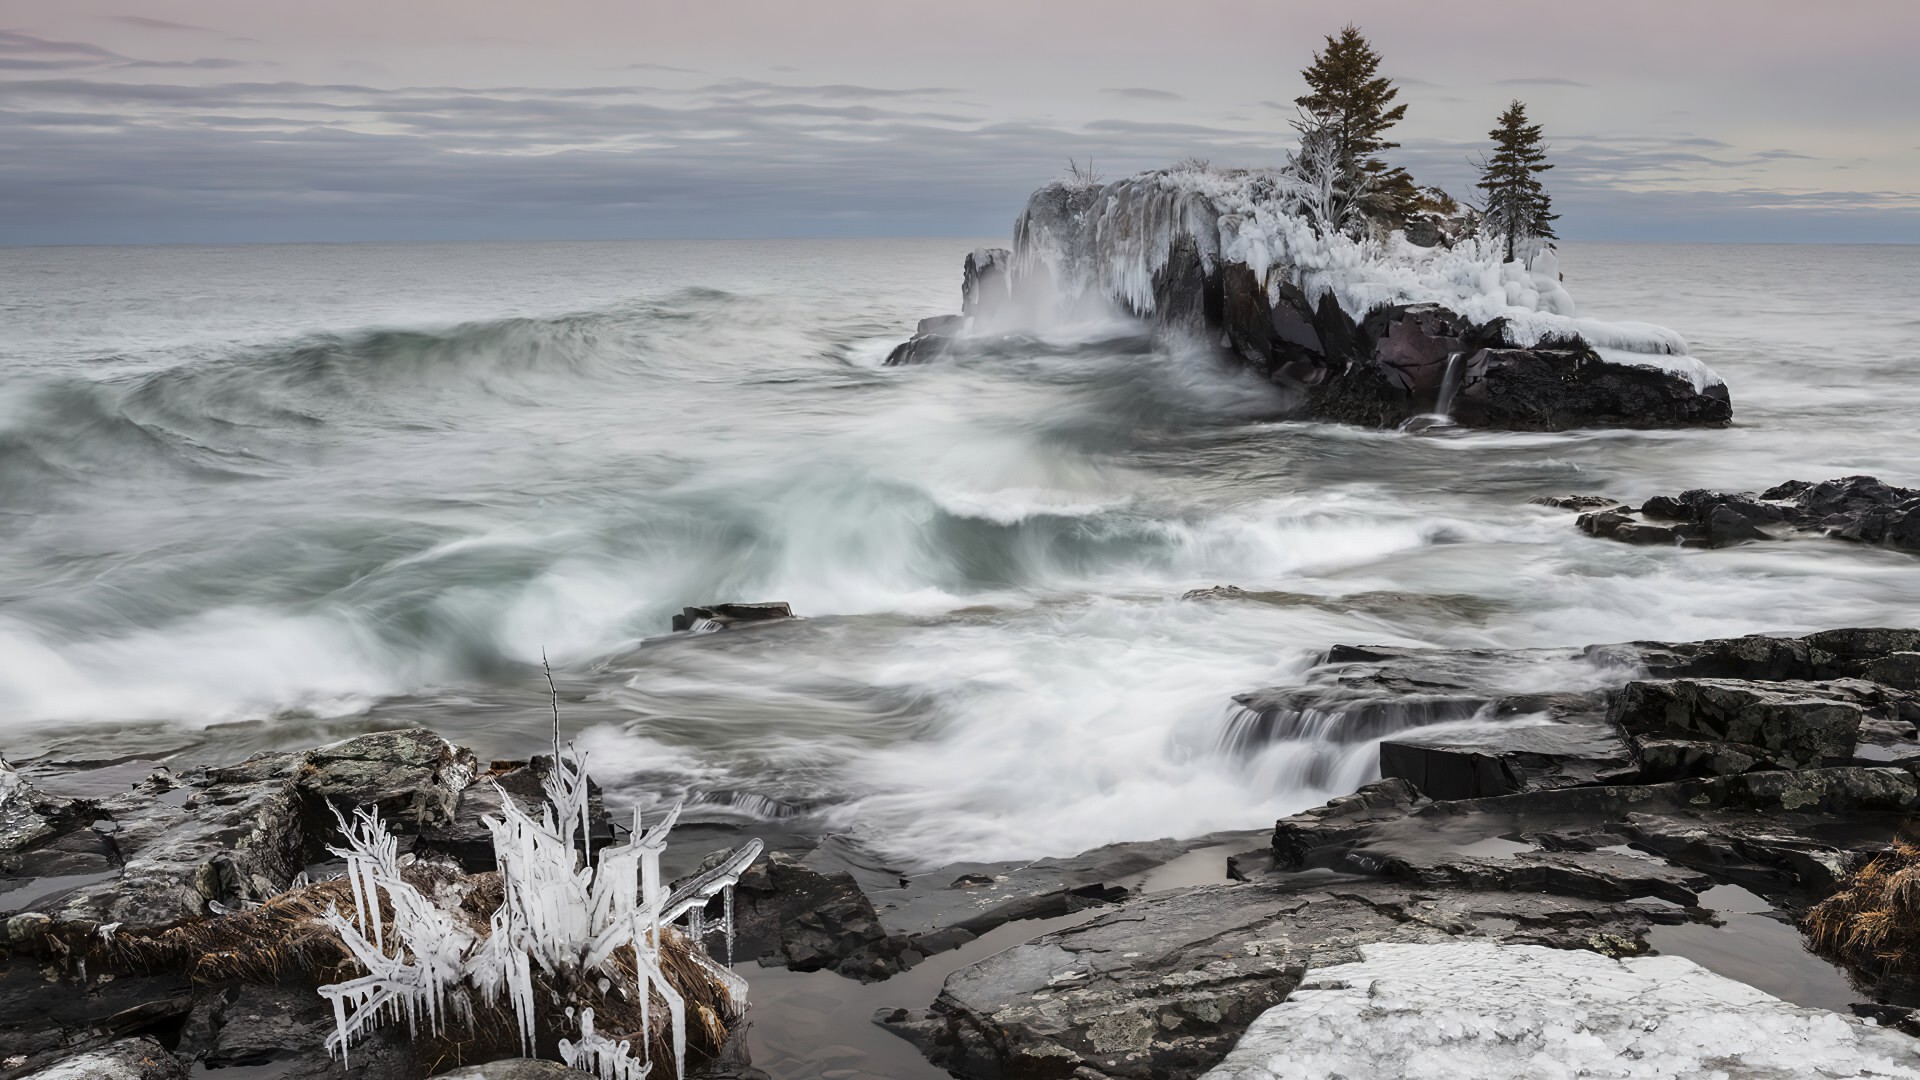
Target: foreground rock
1856,508
1381,337
1534,826
1165,985
1516,1012
170,850
129,1059
172,924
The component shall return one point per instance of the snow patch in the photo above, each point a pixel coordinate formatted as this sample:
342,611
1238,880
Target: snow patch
1086,246
1480,1011
1680,364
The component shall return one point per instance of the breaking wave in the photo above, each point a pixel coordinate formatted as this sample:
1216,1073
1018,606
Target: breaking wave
350,518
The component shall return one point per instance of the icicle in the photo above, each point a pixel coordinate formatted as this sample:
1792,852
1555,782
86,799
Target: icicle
566,917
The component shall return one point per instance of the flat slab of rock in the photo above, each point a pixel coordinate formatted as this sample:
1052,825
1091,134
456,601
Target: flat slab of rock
1517,1012
1506,760
1162,986
129,1059
1767,829
166,850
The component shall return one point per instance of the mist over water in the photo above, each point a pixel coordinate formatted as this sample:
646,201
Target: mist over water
257,497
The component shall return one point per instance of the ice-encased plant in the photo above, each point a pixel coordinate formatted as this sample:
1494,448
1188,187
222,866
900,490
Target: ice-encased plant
566,916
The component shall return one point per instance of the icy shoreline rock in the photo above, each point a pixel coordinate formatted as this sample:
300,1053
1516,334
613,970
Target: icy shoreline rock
1570,842
1360,332
1481,1011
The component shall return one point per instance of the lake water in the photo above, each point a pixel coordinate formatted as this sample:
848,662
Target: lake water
258,497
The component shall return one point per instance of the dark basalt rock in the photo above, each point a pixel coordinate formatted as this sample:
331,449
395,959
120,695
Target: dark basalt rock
1466,765
1758,733
166,850
1856,508
1694,727
726,616
1749,828
1577,502
413,777
1400,358
931,340
788,914
464,837
1558,389
156,858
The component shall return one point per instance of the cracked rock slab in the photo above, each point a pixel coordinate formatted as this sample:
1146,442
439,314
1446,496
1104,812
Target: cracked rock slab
1162,986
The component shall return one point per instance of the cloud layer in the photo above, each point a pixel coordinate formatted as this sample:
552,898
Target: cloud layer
170,126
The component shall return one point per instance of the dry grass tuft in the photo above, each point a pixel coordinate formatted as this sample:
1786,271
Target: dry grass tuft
1873,923
616,1014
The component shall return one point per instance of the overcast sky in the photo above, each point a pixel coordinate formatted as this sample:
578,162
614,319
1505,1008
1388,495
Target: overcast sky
239,120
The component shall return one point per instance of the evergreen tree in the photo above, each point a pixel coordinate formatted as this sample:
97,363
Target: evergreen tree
1518,206
1353,103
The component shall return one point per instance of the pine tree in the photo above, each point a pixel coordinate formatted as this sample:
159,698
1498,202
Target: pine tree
1354,104
1518,206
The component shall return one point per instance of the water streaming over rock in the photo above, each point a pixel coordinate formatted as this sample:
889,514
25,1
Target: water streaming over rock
304,491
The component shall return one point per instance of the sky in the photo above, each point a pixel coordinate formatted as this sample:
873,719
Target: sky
212,121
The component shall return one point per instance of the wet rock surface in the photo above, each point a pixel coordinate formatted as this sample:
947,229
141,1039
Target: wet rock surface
1526,802
1594,798
178,852
1860,509
128,1059
702,620
80,876
169,850
1164,986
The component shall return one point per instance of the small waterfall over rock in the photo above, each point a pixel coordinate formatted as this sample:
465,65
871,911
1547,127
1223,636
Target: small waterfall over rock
1450,384
1442,415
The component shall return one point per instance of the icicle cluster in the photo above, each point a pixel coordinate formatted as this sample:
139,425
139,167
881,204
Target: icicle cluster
562,916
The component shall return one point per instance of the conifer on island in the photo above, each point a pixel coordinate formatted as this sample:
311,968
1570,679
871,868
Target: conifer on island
1353,104
1517,204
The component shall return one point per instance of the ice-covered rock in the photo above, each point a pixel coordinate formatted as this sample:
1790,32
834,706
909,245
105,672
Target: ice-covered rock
1366,331
1482,1011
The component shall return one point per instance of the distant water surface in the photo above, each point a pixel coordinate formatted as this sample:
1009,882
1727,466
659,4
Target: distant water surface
256,497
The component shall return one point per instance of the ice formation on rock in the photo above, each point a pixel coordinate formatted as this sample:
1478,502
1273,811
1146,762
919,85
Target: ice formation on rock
1079,247
1480,1011
562,915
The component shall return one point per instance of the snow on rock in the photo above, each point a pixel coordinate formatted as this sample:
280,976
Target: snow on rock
1480,1011
1082,246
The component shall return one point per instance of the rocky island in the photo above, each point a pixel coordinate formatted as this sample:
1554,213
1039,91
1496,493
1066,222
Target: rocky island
1380,332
